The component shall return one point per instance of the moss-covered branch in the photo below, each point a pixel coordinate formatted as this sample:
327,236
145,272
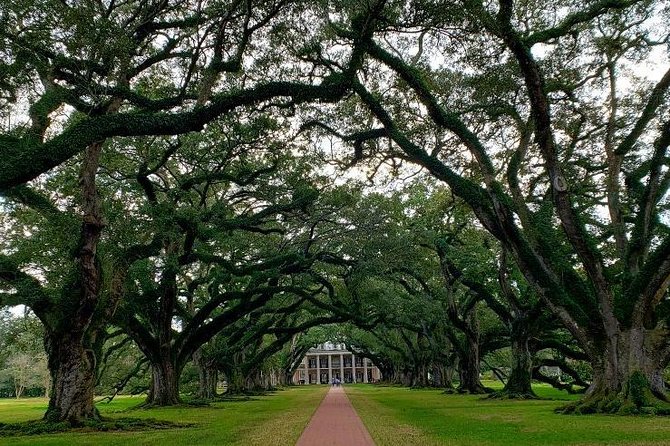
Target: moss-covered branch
25,158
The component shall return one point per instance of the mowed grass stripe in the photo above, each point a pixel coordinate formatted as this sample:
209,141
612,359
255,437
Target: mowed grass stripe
400,416
274,419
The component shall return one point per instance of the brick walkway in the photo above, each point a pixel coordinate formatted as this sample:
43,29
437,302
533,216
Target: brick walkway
335,423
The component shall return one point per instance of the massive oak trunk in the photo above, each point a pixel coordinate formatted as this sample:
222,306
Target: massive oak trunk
628,376
420,376
73,336
287,379
165,368
208,383
407,378
237,383
72,368
519,382
470,370
386,372
164,389
447,377
470,367
207,376
254,380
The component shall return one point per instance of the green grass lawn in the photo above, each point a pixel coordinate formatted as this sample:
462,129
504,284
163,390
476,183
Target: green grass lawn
399,416
393,415
276,419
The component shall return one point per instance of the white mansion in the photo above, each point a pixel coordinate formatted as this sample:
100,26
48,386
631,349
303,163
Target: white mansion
327,362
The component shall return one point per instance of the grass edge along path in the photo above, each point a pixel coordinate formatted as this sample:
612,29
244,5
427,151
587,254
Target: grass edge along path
384,424
274,419
398,416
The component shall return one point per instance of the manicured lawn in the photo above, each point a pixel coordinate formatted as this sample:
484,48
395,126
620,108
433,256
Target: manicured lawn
393,415
399,416
275,419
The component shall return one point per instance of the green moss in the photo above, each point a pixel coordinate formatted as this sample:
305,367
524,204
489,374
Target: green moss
613,405
638,389
635,398
627,408
647,410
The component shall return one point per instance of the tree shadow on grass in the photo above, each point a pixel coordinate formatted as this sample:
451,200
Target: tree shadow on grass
40,427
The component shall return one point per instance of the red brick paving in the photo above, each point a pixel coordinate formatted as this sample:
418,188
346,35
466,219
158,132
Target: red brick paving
335,423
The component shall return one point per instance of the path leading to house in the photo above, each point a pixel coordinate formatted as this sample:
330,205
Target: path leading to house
335,423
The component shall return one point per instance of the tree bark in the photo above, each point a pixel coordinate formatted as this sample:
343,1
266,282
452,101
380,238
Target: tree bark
208,381
236,382
72,343
470,367
386,372
207,376
407,378
164,389
422,373
442,377
470,370
47,386
254,381
72,368
627,377
519,382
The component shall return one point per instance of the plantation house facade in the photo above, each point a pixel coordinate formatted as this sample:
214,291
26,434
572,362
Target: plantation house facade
327,362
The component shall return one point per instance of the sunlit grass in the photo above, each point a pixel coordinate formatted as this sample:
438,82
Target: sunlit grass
275,419
399,416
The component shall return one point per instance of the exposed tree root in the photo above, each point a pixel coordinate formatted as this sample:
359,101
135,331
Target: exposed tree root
636,398
512,395
556,383
476,390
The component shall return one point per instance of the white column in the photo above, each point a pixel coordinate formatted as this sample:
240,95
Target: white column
318,370
330,369
365,370
305,368
353,368
341,368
